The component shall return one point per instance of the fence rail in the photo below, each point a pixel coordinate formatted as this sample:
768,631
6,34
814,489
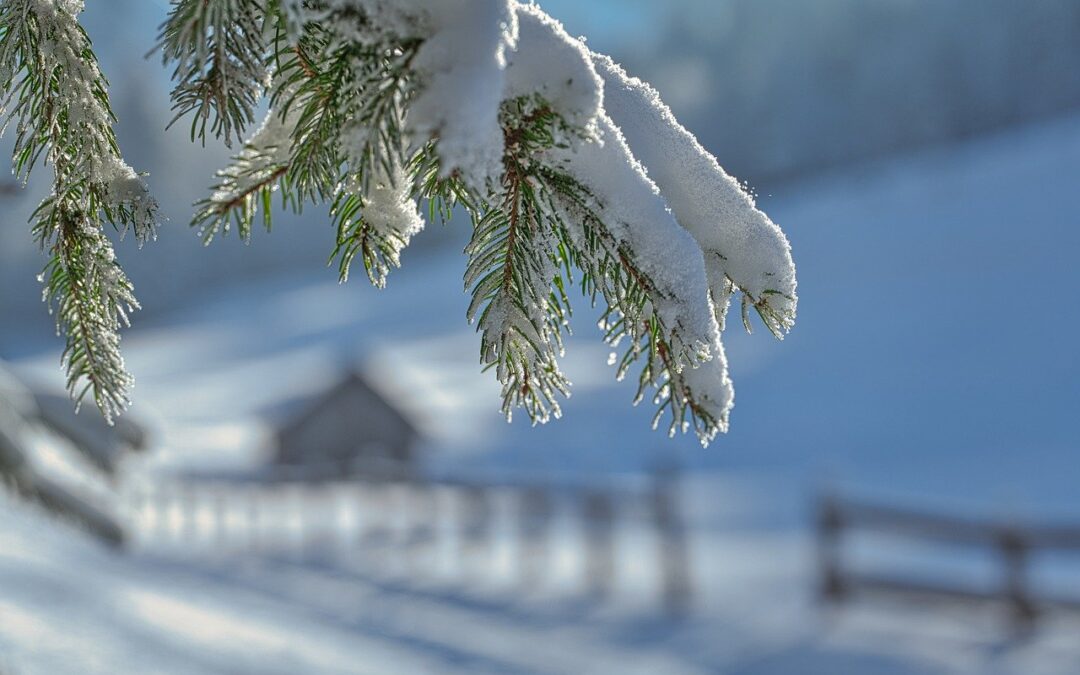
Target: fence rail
458,522
1013,544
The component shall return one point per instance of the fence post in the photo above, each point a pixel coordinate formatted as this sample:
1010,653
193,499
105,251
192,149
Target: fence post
297,540
254,520
476,522
1014,549
420,526
600,545
376,506
677,578
189,512
136,514
534,514
220,517
318,528
168,499
830,525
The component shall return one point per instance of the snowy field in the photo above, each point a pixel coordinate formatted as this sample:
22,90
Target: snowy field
932,362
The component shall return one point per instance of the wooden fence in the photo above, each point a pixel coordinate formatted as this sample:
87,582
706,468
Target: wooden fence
1012,545
403,523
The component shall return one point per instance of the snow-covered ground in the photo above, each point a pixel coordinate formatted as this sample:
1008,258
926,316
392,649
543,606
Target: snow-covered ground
932,361
70,606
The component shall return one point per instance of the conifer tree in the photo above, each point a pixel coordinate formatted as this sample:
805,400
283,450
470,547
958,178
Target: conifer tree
572,173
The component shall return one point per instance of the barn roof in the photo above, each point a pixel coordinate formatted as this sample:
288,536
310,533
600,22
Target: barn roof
307,410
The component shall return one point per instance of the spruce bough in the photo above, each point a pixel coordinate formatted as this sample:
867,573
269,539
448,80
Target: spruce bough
572,173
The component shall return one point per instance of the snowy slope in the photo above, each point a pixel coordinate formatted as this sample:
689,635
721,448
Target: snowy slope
935,350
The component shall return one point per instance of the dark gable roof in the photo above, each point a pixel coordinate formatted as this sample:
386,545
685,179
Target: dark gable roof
311,407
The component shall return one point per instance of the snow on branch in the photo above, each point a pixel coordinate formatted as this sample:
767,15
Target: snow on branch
742,246
375,222
671,321
249,183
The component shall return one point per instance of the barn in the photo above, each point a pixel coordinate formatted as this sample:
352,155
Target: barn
348,430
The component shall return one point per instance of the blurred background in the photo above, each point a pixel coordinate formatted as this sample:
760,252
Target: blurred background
315,477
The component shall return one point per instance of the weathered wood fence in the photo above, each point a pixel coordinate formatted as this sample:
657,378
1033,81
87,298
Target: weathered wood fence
1012,545
405,525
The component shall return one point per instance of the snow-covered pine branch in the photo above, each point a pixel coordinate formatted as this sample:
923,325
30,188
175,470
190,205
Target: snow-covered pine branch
572,172
57,98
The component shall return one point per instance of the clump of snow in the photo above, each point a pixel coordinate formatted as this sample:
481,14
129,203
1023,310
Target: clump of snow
460,65
126,190
548,62
633,212
739,241
391,212
272,141
711,388
267,151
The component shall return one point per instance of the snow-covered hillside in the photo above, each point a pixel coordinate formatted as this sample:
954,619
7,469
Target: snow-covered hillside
780,87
